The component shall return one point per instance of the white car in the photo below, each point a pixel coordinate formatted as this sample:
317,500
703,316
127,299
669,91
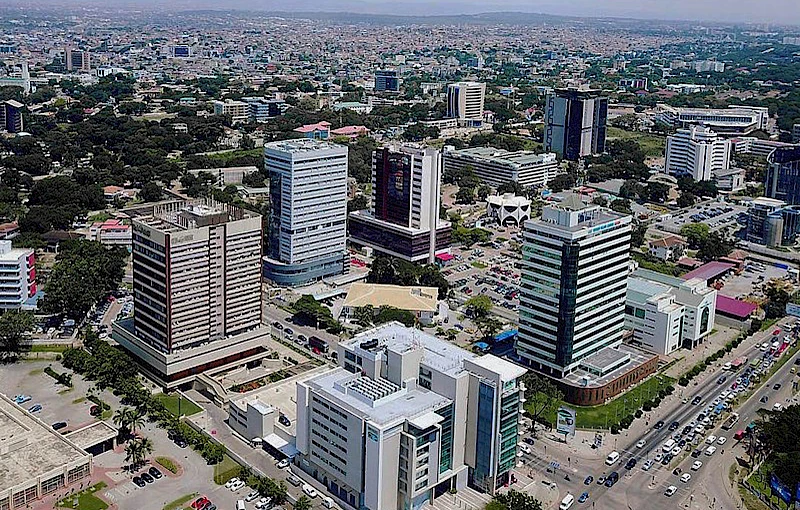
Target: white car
711,439
263,503
238,485
659,456
640,444
310,491
721,441
676,451
699,429
777,406
282,464
710,450
524,448
686,477
230,483
647,465
697,465
252,496
670,490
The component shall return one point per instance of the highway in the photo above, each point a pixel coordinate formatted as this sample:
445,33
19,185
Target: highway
638,488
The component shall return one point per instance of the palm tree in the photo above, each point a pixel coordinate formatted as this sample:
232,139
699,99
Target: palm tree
145,447
303,504
136,420
133,453
121,419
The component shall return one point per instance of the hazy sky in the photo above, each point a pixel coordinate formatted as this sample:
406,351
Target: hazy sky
757,11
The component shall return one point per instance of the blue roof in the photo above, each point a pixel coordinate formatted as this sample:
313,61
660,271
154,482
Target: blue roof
482,345
505,335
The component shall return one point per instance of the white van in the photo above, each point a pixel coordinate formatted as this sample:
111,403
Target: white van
568,500
611,459
240,505
327,502
668,446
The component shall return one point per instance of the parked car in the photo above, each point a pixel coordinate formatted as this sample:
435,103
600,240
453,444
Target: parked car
670,490
147,478
647,465
282,464
230,483
154,472
59,425
139,482
200,502
35,408
588,480
310,491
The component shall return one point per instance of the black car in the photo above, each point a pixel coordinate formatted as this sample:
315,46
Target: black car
181,442
682,443
630,464
138,481
764,399
721,379
677,471
658,424
696,400
588,480
667,459
776,386
528,440
59,425
147,478
696,453
674,425
612,479
797,361
686,430
154,472
283,420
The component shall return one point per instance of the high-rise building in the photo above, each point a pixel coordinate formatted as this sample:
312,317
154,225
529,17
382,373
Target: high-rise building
574,280
498,166
465,102
308,220
11,116
403,219
387,80
406,418
783,175
17,276
697,152
196,287
575,123
77,60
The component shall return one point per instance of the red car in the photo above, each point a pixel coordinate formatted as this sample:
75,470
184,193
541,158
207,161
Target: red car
200,502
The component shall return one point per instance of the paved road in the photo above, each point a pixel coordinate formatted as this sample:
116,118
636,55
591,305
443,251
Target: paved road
638,488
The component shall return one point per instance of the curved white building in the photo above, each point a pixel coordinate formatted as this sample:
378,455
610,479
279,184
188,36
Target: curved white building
508,209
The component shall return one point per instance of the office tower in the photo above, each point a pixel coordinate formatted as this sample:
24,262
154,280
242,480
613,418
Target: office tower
406,418
697,152
17,276
403,219
77,60
465,102
387,80
196,285
575,123
11,116
308,220
574,274
499,166
238,110
783,175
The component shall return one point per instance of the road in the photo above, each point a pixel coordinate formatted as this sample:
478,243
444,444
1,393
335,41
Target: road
638,488
271,314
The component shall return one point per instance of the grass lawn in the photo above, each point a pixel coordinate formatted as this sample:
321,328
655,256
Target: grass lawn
50,348
479,265
603,416
79,400
180,501
225,470
172,402
652,145
225,156
85,500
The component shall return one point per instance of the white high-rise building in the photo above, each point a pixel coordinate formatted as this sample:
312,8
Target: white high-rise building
196,287
697,152
408,417
574,280
308,221
465,102
403,219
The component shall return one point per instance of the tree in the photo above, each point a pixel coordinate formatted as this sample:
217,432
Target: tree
15,333
696,234
515,500
121,419
390,313
561,182
715,246
778,298
638,235
151,192
136,420
686,199
622,206
465,195
303,504
358,203
542,395
309,311
483,192
600,200
479,309
511,187
657,192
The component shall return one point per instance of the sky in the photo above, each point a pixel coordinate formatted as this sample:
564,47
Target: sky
756,11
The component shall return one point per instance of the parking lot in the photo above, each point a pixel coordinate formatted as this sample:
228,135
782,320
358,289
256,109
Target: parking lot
751,282
58,403
714,214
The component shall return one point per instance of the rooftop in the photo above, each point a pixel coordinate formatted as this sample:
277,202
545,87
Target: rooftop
92,434
517,159
733,307
709,271
302,145
30,448
177,215
397,296
508,371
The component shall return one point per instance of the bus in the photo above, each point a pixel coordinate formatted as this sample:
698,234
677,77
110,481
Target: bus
319,344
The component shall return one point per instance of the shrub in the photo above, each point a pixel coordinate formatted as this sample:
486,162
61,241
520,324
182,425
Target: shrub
638,413
615,429
167,464
683,381
647,406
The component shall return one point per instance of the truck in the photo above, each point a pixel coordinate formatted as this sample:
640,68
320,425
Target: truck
730,422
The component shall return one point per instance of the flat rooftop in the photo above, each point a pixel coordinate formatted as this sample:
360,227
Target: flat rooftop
303,145
92,434
517,159
393,404
438,353
29,448
178,215
637,359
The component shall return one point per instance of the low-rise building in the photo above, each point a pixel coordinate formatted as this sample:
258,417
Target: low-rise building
251,418
420,301
318,131
239,111
17,276
111,233
408,417
226,175
35,460
733,121
508,209
730,180
498,166
668,249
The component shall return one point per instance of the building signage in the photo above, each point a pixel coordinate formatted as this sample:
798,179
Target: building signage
566,421
372,434
783,492
184,238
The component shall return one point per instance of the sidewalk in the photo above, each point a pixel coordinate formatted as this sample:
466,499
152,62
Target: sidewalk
715,342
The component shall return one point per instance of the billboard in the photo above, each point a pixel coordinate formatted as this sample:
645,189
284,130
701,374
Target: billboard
783,492
565,423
